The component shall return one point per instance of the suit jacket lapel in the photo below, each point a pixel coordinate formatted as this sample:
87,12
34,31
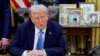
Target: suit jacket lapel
31,34
48,35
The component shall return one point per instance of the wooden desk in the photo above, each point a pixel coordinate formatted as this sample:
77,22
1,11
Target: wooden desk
87,31
4,55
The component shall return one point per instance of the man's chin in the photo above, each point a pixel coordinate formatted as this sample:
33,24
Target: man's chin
41,28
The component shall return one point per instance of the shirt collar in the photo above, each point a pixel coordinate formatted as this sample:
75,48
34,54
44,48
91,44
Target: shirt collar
38,30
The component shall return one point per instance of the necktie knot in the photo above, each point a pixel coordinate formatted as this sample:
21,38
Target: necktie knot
40,32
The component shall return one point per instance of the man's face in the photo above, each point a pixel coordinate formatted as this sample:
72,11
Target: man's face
39,19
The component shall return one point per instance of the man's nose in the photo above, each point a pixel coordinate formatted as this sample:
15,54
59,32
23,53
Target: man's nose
40,20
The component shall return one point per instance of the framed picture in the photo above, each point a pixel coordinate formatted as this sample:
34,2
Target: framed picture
87,7
63,7
62,12
92,18
74,16
63,19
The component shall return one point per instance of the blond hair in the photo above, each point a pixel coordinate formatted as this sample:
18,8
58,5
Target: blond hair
38,8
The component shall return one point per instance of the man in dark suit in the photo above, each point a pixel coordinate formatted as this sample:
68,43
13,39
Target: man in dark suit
38,37
5,24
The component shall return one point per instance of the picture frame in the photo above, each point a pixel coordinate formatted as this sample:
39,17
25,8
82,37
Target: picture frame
93,18
87,7
62,11
63,19
63,7
74,16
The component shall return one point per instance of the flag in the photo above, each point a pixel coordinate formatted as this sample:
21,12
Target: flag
20,3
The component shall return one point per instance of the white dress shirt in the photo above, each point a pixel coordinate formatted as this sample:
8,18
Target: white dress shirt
36,39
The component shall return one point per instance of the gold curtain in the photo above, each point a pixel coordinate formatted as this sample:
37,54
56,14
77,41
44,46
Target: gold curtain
95,31
12,16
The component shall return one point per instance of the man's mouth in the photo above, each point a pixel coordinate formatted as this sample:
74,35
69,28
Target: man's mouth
40,24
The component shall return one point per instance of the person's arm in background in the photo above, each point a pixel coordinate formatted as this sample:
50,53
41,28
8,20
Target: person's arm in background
7,24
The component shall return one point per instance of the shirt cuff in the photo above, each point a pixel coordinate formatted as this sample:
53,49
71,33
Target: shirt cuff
5,39
24,53
44,53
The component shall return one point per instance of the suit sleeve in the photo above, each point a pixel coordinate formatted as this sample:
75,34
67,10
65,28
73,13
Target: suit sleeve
14,47
60,49
7,19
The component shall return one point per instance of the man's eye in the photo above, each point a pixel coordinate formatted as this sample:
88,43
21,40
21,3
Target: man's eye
36,18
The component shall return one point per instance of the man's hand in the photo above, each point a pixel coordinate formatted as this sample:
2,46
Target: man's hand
4,43
35,53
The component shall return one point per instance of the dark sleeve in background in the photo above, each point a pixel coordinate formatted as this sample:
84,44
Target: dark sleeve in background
7,19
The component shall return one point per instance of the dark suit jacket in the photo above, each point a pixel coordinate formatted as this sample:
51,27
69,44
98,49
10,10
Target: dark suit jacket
5,18
54,43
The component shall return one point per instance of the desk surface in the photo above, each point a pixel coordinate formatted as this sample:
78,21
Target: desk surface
5,55
81,26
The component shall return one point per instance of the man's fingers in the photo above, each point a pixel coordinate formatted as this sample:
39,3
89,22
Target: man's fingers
34,53
37,53
1,47
4,47
29,53
0,43
4,44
